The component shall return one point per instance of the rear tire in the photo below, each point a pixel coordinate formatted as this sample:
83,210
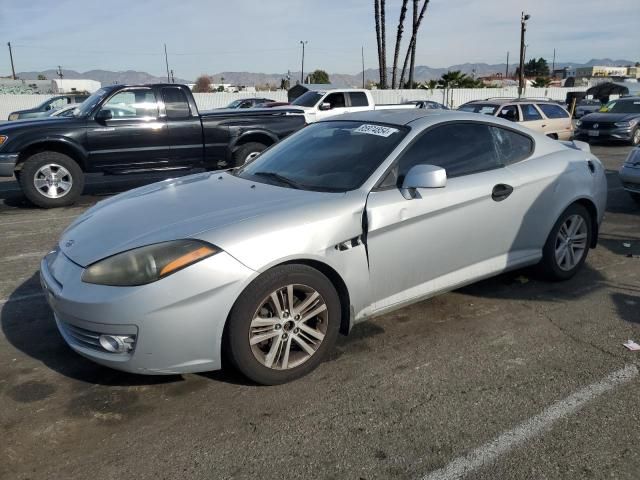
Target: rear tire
51,179
635,137
247,152
567,246
272,345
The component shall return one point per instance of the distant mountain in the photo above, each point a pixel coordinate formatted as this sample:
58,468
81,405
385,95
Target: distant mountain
105,77
422,73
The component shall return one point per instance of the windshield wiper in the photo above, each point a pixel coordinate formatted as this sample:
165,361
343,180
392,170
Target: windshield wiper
279,178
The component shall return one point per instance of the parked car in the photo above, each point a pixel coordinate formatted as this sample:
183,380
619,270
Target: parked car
129,129
272,104
428,104
543,116
47,106
587,106
618,120
321,104
630,174
346,219
63,112
248,102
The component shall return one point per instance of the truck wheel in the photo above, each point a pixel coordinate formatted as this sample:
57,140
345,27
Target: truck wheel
247,152
51,179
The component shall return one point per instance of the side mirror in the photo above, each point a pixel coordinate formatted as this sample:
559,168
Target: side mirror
104,115
423,176
325,106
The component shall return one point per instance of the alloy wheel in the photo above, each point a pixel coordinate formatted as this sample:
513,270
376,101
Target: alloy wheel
571,242
288,327
53,180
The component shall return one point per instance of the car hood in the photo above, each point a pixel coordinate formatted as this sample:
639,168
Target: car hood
23,124
610,117
191,206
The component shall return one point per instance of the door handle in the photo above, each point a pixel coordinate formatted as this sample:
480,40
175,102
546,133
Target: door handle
501,191
543,125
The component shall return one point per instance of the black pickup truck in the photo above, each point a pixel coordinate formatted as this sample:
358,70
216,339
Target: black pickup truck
129,129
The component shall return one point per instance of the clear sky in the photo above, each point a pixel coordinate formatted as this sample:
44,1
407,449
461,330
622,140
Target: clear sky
209,36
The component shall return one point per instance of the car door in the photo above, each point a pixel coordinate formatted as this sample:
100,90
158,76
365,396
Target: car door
532,118
558,122
447,236
185,129
135,136
337,106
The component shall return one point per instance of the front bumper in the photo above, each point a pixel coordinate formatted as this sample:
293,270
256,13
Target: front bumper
619,134
8,164
176,323
630,177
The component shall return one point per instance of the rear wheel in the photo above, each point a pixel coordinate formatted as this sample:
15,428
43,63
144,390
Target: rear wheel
247,152
283,325
635,137
568,244
51,179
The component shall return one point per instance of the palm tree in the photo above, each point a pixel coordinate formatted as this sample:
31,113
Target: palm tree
376,6
403,13
412,63
412,42
452,79
383,39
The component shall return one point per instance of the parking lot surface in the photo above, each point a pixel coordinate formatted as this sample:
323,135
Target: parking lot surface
510,378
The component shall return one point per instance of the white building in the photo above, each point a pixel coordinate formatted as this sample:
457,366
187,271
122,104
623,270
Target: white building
70,85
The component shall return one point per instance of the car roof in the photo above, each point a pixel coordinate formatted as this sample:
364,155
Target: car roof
502,101
417,116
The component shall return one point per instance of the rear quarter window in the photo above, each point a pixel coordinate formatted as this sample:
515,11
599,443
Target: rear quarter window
358,99
512,146
553,111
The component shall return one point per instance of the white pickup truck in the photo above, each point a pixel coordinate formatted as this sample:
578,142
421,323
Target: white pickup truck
320,104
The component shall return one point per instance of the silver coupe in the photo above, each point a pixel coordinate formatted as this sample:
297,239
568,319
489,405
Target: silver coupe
346,219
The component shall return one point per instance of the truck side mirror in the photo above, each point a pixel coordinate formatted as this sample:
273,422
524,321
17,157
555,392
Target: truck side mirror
104,115
325,106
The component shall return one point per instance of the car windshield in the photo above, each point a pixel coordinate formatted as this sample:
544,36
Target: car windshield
625,106
308,99
86,107
235,104
486,108
334,156
590,102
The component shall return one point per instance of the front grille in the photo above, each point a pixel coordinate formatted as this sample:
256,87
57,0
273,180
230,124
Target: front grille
87,338
601,125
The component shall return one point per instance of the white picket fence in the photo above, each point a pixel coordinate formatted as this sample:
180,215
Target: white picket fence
453,97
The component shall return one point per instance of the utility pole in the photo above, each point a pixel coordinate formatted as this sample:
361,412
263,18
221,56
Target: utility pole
59,72
523,29
13,70
173,79
553,65
362,51
506,72
166,61
303,43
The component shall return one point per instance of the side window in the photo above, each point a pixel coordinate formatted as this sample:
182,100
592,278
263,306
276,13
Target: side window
358,99
138,103
175,103
510,112
58,103
529,112
336,100
459,148
553,111
512,146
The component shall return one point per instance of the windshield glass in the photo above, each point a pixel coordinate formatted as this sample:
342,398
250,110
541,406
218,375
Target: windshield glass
626,106
234,104
89,104
479,108
335,156
308,99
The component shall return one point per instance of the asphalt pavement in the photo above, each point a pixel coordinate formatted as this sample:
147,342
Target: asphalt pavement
509,378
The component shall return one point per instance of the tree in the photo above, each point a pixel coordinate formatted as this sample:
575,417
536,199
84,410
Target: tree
413,41
379,6
457,79
42,77
403,13
541,82
203,84
220,88
319,76
535,68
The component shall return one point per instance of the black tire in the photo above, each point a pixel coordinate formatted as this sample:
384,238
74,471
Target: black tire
243,152
32,165
549,266
635,137
236,337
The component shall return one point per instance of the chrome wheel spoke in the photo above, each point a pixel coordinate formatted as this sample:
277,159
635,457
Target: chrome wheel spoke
305,346
264,322
302,307
264,336
313,313
64,186
287,349
290,298
273,351
40,183
52,191
277,303
311,331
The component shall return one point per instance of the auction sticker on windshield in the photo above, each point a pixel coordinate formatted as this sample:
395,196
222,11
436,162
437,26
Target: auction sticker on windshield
379,130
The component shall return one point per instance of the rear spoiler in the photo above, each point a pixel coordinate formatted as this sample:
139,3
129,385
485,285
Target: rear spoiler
577,145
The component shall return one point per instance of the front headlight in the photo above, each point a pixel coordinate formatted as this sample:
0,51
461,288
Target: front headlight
622,124
13,116
147,264
578,123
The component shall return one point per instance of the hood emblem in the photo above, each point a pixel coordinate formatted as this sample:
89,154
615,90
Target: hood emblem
596,125
69,243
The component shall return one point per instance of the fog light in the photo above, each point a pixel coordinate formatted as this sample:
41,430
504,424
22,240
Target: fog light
116,343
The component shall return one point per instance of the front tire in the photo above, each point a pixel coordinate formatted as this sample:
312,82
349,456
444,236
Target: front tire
635,137
567,246
283,325
247,152
51,179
